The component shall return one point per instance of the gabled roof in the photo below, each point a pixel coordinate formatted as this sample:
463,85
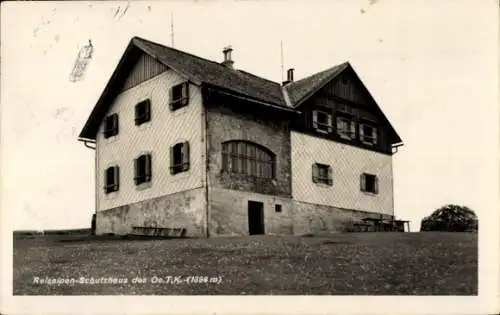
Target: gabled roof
200,71
301,90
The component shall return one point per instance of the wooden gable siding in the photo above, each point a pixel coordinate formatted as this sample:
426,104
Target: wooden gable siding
144,69
345,86
333,96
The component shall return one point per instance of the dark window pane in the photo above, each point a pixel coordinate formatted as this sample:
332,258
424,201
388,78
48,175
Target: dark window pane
110,175
234,163
224,161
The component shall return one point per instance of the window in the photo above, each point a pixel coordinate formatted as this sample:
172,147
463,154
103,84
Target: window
142,166
277,208
368,134
111,126
322,121
369,183
248,158
179,158
143,112
111,179
346,128
179,96
322,173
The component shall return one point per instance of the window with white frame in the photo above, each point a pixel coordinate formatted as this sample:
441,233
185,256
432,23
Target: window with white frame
322,121
346,128
368,134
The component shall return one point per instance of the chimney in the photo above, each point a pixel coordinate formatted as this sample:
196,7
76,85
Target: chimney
289,76
228,62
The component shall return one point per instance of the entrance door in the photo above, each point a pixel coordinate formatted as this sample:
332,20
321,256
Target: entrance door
255,217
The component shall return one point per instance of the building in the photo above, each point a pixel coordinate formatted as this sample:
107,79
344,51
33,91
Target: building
187,143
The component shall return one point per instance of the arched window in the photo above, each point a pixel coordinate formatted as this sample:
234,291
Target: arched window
248,158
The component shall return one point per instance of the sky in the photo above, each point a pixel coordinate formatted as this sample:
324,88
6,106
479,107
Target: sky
431,65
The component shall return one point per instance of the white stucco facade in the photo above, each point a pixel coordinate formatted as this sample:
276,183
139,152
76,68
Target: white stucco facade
348,163
165,129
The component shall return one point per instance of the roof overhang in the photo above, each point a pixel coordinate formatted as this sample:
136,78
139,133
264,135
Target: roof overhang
239,96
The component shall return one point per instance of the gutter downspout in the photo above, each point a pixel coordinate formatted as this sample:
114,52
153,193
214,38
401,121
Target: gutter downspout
206,164
86,143
396,146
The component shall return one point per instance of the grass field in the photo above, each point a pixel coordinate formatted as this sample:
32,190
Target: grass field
343,264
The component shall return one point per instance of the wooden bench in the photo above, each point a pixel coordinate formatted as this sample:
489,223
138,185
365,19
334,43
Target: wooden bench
158,231
361,227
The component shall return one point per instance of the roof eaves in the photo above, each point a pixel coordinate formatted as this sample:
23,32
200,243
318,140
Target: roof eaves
84,134
398,138
239,95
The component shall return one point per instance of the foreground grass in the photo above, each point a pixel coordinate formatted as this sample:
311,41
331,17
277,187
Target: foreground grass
354,263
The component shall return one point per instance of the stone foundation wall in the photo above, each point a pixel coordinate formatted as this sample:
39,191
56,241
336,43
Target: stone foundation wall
179,210
320,219
228,213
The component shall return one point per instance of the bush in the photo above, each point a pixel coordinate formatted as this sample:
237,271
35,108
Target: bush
451,218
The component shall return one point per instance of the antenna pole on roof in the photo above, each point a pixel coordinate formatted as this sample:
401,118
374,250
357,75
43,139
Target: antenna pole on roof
172,28
282,62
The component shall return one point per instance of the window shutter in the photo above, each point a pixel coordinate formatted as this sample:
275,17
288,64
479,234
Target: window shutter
117,178
172,169
315,119
315,173
362,182
147,114
185,93
376,185
330,175
147,167
136,170
330,123
114,123
106,172
137,113
171,98
353,129
185,156
339,125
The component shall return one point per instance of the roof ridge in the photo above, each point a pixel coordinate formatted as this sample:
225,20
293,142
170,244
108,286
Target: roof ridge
202,58
336,67
181,51
205,59
254,75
